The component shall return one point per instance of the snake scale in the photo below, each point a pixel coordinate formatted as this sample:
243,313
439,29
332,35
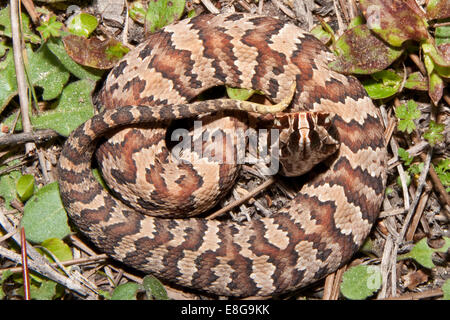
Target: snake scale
312,236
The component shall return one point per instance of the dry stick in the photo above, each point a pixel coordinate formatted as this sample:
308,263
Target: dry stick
240,201
400,169
211,7
420,185
328,286
38,263
415,58
29,5
20,71
67,263
339,19
283,8
24,137
417,216
418,295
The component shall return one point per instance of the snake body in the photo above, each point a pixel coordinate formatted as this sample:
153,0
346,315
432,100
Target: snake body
312,236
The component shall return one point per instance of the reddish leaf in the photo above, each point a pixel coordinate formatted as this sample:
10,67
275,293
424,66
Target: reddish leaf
438,9
360,51
444,49
436,87
94,52
395,21
417,81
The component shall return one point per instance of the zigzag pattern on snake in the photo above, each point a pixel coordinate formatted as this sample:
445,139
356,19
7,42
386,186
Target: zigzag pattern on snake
317,232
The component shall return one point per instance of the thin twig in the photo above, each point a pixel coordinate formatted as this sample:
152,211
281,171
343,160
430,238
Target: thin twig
418,295
210,6
24,258
20,71
420,185
240,201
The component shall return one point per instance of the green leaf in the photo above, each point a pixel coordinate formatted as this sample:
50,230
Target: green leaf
442,35
46,290
8,186
126,291
5,26
407,113
383,84
5,275
404,155
446,290
360,282
320,33
8,82
239,94
44,216
45,71
422,253
434,133
59,248
356,22
443,171
73,108
56,46
163,12
25,187
50,28
83,24
416,81
137,12
154,288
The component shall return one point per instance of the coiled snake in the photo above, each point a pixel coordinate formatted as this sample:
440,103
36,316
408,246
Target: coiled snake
310,237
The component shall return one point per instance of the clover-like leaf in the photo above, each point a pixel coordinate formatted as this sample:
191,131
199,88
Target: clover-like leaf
406,115
50,28
434,132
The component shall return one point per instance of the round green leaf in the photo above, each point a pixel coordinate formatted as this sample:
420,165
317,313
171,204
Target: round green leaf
126,291
239,94
25,187
163,12
44,216
154,288
83,24
360,282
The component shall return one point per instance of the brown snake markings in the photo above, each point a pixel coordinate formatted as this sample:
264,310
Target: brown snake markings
312,236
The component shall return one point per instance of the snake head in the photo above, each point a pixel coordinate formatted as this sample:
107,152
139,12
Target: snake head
305,139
